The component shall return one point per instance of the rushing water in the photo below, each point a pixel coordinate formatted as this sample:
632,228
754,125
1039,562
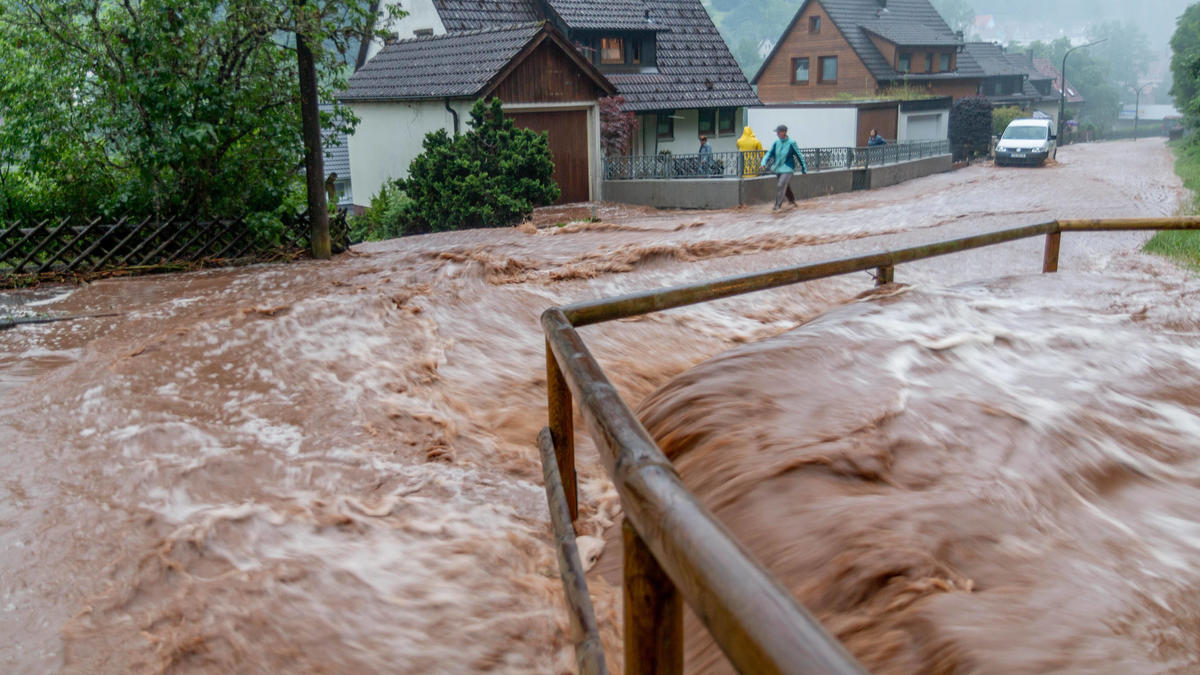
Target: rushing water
996,477
329,466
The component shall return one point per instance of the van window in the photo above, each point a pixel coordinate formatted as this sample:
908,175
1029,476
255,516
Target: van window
1023,133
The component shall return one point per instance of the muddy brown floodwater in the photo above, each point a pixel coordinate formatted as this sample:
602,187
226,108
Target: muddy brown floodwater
330,467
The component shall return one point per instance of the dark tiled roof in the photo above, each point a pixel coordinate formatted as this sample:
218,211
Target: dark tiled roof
337,154
1047,69
454,65
992,59
337,158
909,34
458,15
904,19
611,14
695,68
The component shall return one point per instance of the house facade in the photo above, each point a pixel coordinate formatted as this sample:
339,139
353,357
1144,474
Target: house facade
1050,105
816,124
416,86
664,57
861,48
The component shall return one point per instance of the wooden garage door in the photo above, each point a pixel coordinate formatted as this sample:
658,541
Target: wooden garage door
568,144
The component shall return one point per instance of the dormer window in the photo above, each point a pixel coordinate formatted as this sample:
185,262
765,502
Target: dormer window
630,52
612,51
905,63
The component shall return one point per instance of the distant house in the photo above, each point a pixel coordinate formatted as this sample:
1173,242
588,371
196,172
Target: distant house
860,48
416,86
1050,105
665,57
1010,79
337,164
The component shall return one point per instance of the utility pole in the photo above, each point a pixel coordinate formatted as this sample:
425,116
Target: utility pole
314,158
1137,108
1062,99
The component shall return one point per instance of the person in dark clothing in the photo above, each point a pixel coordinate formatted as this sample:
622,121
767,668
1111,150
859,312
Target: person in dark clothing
875,139
706,154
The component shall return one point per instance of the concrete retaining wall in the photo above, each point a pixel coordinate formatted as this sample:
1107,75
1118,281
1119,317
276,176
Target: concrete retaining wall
725,193
762,190
683,193
898,173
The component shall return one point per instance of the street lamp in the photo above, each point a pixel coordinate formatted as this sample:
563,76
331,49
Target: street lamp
1137,107
1062,99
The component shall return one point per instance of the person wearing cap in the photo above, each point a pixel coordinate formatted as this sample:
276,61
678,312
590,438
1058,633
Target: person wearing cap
706,154
786,155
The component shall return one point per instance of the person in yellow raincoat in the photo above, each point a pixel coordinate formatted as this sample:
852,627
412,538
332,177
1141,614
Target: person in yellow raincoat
749,143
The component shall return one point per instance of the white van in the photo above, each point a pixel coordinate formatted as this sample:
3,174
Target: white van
1026,141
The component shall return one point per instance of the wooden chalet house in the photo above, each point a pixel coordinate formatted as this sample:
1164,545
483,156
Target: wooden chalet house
665,57
861,48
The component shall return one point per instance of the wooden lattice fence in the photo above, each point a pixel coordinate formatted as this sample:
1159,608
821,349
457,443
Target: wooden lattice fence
67,246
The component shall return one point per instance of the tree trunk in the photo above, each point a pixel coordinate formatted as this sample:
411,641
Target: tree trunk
365,45
314,159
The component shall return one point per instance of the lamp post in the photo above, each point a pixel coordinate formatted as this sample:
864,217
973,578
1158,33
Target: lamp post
1062,99
1137,108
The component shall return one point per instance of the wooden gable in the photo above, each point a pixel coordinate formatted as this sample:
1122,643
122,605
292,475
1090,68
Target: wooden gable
547,75
775,78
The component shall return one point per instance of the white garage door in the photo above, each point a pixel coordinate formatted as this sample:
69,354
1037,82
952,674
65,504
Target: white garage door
924,127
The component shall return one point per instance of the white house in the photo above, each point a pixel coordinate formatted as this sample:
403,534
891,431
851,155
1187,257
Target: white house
420,85
665,58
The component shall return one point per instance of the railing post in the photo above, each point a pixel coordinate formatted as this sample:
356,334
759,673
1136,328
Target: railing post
653,612
562,429
1050,258
885,275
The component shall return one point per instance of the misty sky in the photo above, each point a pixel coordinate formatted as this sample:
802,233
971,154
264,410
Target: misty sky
1155,17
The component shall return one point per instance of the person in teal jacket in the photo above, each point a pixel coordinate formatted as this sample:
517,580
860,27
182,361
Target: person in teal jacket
785,153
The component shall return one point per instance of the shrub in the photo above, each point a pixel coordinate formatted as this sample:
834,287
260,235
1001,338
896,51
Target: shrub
382,219
494,175
970,126
1002,116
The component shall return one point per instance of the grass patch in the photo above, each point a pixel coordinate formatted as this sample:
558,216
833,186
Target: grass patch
1182,246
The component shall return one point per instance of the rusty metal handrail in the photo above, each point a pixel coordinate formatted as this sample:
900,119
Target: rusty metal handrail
675,549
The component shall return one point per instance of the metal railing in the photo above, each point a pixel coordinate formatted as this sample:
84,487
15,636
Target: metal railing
749,164
675,550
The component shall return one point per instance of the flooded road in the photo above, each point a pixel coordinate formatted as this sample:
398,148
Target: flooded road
330,467
995,477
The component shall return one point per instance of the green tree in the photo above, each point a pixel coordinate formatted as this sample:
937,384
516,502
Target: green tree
160,106
1125,50
1091,74
1185,64
491,176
